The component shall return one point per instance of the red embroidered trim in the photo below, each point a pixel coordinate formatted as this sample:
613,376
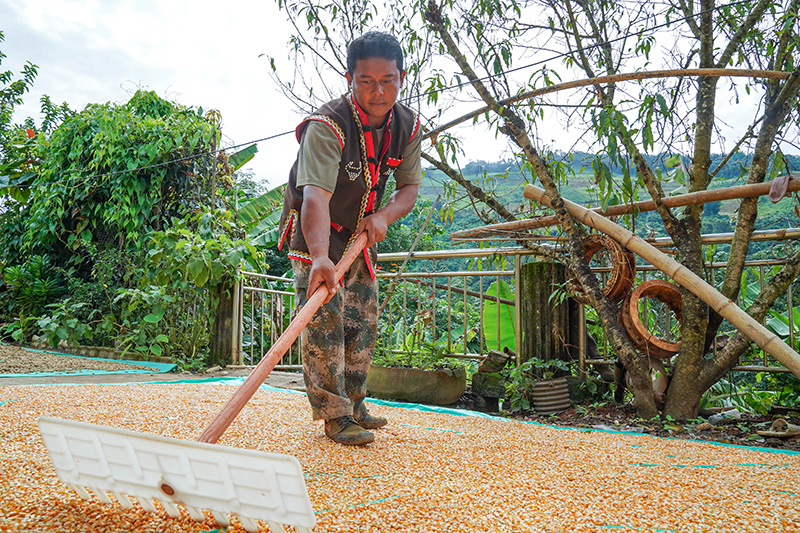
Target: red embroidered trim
368,260
287,228
416,128
375,163
298,256
298,132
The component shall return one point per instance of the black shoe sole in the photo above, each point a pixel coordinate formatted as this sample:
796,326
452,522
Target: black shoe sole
366,425
352,441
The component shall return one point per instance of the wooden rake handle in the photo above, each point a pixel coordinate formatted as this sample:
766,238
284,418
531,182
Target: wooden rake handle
220,423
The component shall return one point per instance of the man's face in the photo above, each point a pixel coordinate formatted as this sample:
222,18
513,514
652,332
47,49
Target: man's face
375,83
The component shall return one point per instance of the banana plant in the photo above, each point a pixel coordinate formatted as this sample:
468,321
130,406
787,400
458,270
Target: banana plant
260,217
779,321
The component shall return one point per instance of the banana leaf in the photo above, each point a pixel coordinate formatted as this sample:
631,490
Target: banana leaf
262,209
240,158
508,323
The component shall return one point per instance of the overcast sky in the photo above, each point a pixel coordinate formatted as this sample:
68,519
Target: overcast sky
198,53
202,54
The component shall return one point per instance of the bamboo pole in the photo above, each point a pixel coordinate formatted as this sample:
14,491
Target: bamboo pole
661,242
693,198
400,270
769,342
245,391
613,78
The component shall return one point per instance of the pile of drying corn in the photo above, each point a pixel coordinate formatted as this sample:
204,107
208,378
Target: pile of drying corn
15,360
424,472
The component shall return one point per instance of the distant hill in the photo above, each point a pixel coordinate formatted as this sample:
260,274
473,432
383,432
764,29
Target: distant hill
507,181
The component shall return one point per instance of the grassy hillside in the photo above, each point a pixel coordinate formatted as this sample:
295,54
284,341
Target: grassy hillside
507,184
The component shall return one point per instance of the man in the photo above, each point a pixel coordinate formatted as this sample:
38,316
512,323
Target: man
348,150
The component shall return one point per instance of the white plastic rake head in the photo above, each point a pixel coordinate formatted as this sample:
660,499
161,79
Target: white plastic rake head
250,485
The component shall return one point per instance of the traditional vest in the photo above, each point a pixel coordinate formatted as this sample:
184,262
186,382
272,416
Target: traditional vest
363,173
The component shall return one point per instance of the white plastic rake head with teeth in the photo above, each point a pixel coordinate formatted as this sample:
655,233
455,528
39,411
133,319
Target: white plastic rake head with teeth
253,486
173,510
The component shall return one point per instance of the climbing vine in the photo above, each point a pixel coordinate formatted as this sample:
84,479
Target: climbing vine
113,173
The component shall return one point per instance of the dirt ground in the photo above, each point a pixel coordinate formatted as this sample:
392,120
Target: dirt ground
18,360
741,432
610,416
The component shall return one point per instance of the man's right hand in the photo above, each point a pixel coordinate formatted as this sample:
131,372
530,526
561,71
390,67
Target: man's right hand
315,221
322,275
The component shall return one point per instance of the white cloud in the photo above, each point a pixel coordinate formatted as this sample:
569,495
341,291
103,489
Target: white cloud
205,53
198,53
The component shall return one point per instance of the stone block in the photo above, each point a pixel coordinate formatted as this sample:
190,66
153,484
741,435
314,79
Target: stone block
489,384
494,362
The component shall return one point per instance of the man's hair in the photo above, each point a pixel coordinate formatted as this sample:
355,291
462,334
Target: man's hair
374,44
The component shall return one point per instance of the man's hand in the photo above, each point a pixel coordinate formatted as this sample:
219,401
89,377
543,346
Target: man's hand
375,227
321,275
399,205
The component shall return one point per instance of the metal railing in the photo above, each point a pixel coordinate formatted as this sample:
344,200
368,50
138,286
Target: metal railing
264,305
263,308
447,303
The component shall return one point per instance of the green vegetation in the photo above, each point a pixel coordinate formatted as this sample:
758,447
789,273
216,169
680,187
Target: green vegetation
507,180
121,225
521,380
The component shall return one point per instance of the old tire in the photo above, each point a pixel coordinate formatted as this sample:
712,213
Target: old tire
645,341
623,268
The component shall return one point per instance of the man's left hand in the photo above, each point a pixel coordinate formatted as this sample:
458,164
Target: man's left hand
399,205
375,227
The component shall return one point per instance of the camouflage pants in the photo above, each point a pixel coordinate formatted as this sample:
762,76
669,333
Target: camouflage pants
338,342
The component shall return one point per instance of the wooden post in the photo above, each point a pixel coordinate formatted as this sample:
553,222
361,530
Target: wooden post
545,325
221,345
517,306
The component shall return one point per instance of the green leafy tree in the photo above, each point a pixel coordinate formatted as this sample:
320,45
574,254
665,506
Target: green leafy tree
758,35
112,173
17,163
16,168
185,290
136,208
483,50
30,278
11,92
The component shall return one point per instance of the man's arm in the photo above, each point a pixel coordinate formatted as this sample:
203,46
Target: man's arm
399,205
315,222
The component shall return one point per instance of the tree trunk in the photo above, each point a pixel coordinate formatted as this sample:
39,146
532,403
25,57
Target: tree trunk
683,399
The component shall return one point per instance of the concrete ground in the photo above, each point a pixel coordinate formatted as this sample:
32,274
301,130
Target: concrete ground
278,379
26,365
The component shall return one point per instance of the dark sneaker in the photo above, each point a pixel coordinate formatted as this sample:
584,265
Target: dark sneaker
345,430
367,421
